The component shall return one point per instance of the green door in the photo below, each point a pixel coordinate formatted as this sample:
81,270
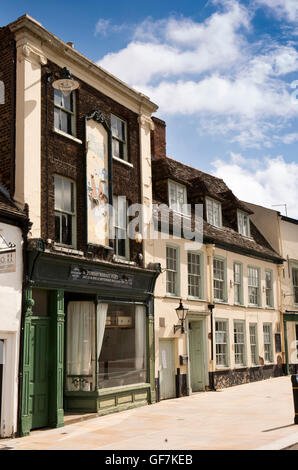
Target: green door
39,372
196,350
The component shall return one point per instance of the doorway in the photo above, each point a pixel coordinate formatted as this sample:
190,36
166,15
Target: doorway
39,372
196,353
167,382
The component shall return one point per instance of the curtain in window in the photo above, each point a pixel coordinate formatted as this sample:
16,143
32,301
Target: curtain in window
101,316
80,319
140,337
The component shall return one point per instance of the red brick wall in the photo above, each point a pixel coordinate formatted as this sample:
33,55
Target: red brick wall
61,155
7,110
158,139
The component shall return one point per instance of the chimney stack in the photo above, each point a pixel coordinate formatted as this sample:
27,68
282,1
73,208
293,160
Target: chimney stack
158,139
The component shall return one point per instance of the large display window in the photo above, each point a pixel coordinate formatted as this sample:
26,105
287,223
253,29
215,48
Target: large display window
105,343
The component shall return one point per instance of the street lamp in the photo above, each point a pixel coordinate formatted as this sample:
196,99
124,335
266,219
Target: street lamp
66,84
181,314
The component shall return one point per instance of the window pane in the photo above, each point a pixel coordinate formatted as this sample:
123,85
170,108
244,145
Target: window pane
66,229
221,339
57,228
58,193
122,360
239,343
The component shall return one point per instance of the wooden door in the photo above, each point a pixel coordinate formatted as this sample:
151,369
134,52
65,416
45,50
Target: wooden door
39,372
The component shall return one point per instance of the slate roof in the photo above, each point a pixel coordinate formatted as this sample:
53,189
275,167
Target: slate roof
8,207
199,185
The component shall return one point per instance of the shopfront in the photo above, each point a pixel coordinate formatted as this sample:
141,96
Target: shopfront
89,326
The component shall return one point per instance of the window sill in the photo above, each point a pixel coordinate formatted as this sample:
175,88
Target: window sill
67,250
172,296
123,161
222,368
222,302
239,305
196,298
255,306
69,136
123,261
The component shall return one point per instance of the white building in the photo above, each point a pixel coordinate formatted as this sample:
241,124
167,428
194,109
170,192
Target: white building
12,227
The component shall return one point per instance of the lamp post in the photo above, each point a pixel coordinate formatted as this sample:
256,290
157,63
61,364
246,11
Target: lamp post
181,314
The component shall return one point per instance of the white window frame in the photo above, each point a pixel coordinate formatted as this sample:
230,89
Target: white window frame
243,344
212,203
223,281
124,142
117,227
266,343
69,112
254,286
71,213
254,360
241,216
271,302
175,206
176,271
238,283
196,276
225,355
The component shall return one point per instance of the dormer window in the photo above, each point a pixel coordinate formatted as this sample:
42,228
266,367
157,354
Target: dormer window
243,224
178,198
213,211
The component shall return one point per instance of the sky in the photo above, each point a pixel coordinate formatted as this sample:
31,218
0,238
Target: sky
224,74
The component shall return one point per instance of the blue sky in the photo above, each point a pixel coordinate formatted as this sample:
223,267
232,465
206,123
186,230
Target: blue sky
220,70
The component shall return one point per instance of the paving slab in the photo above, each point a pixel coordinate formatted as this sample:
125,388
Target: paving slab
257,415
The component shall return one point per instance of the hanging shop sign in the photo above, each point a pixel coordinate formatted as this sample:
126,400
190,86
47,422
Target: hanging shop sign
98,175
7,256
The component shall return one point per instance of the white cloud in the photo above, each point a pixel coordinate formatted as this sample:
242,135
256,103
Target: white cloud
272,181
282,8
210,70
180,46
102,27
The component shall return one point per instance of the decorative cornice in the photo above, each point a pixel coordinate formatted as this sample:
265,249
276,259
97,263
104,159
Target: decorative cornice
28,50
97,116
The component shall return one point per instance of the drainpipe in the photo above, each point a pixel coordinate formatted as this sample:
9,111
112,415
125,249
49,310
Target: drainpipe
283,332
25,229
210,251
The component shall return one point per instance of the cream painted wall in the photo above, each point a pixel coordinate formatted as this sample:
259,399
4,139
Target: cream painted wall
165,306
10,318
267,221
28,130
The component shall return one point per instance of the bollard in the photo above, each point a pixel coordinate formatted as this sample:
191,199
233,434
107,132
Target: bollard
294,379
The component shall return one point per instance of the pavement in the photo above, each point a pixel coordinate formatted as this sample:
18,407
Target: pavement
257,416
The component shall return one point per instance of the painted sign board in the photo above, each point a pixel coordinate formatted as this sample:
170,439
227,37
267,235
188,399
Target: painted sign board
98,179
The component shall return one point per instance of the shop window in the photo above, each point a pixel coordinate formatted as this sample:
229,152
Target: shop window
64,112
221,342
122,346
239,343
65,211
119,138
80,354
